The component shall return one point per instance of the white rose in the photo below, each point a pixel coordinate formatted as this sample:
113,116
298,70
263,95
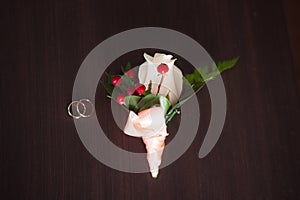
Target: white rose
172,82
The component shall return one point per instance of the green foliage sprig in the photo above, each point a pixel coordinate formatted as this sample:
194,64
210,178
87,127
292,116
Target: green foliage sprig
192,83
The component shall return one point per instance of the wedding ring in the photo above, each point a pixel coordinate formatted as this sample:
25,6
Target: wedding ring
92,108
81,113
76,103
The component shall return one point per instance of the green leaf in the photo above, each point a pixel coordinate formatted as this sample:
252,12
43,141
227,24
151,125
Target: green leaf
164,103
123,70
148,101
189,78
108,87
203,70
198,79
227,64
128,66
147,92
201,75
132,102
109,77
194,77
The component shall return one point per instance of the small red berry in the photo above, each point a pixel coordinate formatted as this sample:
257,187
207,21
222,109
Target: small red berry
121,99
140,89
130,90
162,68
130,73
116,80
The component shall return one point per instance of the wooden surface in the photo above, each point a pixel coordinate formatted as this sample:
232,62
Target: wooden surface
44,43
292,20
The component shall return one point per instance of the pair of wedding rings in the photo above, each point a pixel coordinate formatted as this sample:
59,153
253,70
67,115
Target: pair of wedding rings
84,108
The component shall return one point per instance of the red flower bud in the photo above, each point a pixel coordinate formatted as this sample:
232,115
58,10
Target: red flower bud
162,68
140,89
116,80
130,73
121,99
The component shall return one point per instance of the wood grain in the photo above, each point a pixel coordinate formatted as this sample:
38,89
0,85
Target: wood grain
44,43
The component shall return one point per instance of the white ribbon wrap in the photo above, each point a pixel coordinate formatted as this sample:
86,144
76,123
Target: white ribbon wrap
150,125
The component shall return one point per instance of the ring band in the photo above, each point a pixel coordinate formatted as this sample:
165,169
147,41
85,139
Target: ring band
77,103
83,113
92,107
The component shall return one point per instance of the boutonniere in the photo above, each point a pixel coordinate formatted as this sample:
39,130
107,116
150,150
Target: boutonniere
153,93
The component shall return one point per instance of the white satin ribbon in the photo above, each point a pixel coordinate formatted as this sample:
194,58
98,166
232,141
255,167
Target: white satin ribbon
150,125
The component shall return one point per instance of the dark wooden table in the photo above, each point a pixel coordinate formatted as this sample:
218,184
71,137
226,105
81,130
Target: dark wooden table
44,43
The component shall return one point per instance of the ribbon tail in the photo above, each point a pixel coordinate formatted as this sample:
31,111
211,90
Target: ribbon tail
155,146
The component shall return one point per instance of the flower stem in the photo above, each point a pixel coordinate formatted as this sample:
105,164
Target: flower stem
161,80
